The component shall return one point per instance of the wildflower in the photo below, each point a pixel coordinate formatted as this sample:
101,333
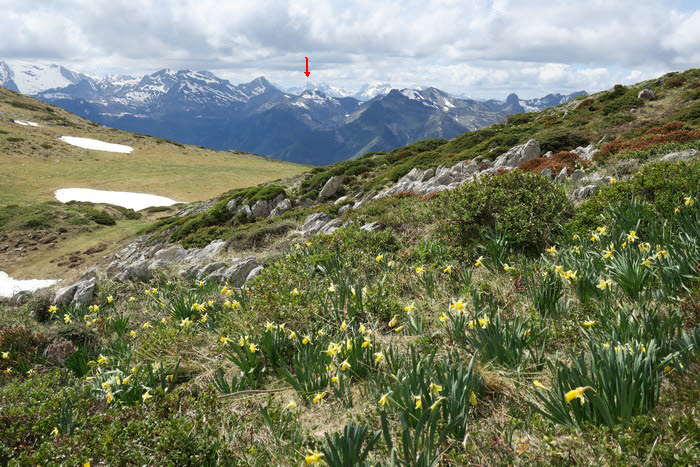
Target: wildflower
132,299
297,246
295,292
644,247
110,396
539,385
318,397
102,360
147,325
384,399
110,299
588,324
353,291
577,394
420,270
8,371
146,395
235,304
348,344
435,404
613,180
332,349
204,318
185,323
409,308
604,284
53,309
334,379
632,236
224,340
677,210
6,355
313,458
419,402
127,380
507,267
647,262
55,433
577,249
132,334
293,335
575,238
458,306
200,284
94,308
667,369
365,290
66,319
393,321
571,275
399,329
252,348
306,340
269,326
688,201
343,326
443,318
595,237
366,343
608,254
472,398
435,388
552,250
479,261
30,373
332,288
662,254
291,405
379,258
378,357
447,270
559,270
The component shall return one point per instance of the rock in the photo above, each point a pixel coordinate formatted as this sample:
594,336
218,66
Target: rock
371,226
209,269
605,139
245,211
254,273
233,205
157,265
175,253
364,200
64,296
314,223
330,227
518,154
561,177
646,94
680,155
331,187
282,207
344,208
548,154
138,270
304,203
586,153
260,209
237,274
84,293
114,268
417,175
584,192
546,173
577,175
20,298
208,253
341,200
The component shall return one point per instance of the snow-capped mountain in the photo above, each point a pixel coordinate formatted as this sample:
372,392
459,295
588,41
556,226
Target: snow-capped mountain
32,78
319,124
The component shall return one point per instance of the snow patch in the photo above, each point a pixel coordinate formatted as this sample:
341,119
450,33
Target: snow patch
25,123
96,144
135,201
9,286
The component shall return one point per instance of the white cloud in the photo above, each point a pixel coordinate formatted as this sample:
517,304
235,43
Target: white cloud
484,47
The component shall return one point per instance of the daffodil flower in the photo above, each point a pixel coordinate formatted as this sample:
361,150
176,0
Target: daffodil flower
552,250
343,326
291,405
146,395
393,321
378,357
318,397
55,433
479,261
447,270
332,288
588,324
295,292
577,393
384,399
632,236
6,355
409,308
420,270
419,402
443,318
539,385
53,309
688,201
379,258
313,458
399,329
472,398
437,402
67,319
435,388
306,340
224,340
252,348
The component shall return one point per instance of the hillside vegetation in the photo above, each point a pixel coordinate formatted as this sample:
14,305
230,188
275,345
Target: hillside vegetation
500,322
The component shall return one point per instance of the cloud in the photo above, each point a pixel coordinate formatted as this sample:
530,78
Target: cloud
476,46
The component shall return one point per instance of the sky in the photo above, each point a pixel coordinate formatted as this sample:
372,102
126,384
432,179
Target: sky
479,48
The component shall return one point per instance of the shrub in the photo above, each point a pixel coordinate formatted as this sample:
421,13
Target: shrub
555,163
557,139
648,140
101,217
528,209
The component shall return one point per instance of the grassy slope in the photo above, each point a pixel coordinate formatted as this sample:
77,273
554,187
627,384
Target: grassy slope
193,422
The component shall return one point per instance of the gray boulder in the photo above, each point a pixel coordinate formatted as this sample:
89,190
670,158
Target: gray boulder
518,154
208,253
254,273
64,296
260,209
209,269
282,207
680,155
586,153
546,173
173,254
84,293
330,227
138,270
245,210
417,175
314,223
331,187
344,208
371,226
237,274
584,192
21,297
646,94
233,205
561,176
577,175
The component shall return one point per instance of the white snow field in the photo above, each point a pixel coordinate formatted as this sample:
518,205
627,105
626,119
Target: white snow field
96,144
25,123
10,286
135,201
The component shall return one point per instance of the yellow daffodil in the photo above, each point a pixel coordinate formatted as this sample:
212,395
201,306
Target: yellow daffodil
677,211
224,340
353,291
588,324
308,244
318,397
293,335
146,395
662,254
435,404
539,385
110,299
291,405
447,270
378,357
366,343
575,238
507,267
420,270
132,334
604,283
343,326
472,398
110,396
185,323
409,308
332,288
632,236
252,348
644,247
101,360
647,262
577,393
332,349
435,388
147,325
53,309
379,258
399,329
443,318
313,458
55,433
6,355
297,246
306,340
419,402
577,249
479,261
67,319
552,250
295,292
30,373
393,321
200,284
334,379
269,326
688,201
384,399
613,180
8,371
127,380
132,299
595,237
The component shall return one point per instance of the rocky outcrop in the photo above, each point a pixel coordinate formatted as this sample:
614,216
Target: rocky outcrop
314,223
586,153
680,155
518,154
561,176
646,94
281,207
584,192
331,187
79,294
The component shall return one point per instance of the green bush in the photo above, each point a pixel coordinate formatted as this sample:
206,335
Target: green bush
526,207
100,217
557,139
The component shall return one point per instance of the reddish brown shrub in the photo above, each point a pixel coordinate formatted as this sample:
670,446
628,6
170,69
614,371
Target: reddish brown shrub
23,345
648,140
59,350
555,163
585,103
664,129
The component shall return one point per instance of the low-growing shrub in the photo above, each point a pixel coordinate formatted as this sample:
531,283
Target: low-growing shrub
555,163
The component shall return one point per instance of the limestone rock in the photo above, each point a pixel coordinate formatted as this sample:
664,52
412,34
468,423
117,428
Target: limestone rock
208,253
561,176
282,207
646,94
546,173
330,227
331,187
173,254
64,296
518,154
254,273
84,293
584,192
138,270
680,155
577,175
371,226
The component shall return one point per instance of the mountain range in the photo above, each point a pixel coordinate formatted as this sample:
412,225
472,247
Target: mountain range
317,124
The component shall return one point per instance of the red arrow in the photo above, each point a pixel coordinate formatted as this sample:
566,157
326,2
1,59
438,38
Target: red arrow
307,73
